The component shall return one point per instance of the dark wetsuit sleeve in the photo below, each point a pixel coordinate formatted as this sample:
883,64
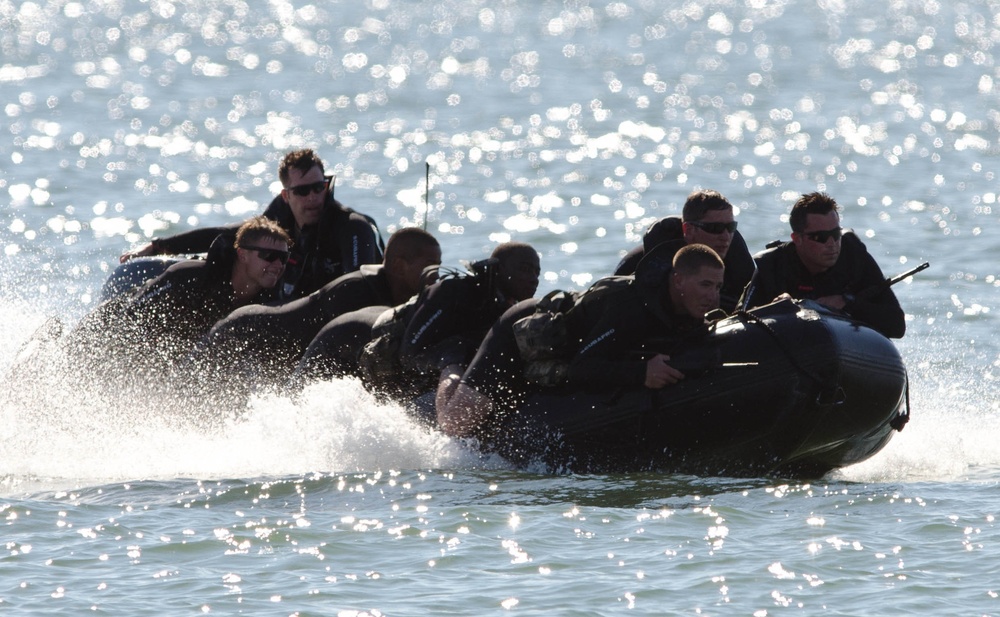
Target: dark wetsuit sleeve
335,349
739,270
883,313
628,263
351,292
879,310
292,325
193,241
274,330
363,243
766,284
497,370
667,229
179,305
610,353
442,315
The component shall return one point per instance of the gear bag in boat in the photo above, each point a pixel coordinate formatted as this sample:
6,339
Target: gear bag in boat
544,339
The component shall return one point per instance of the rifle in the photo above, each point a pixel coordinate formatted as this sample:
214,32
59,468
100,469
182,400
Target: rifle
699,361
874,290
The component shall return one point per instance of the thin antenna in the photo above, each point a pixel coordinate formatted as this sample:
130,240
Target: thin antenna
427,192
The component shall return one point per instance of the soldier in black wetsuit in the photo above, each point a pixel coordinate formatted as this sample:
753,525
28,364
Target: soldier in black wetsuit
630,334
707,218
450,318
155,325
829,265
280,334
609,326
329,239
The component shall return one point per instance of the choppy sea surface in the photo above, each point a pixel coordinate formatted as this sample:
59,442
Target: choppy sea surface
570,125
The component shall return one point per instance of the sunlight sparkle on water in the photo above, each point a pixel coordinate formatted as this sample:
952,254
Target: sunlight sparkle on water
561,124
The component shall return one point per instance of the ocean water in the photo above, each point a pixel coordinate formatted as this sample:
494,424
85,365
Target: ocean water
570,125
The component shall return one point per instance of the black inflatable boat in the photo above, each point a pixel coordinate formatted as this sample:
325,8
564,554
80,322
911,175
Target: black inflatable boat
786,389
791,388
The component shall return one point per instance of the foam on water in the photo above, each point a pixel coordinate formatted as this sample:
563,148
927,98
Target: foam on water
955,421
61,432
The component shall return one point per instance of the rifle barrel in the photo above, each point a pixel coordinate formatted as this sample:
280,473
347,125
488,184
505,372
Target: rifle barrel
908,273
874,290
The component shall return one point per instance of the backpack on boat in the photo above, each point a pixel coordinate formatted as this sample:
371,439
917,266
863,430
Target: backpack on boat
544,338
379,362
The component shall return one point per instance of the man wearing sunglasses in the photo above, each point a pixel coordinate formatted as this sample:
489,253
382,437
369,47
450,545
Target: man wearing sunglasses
707,218
829,265
329,239
153,326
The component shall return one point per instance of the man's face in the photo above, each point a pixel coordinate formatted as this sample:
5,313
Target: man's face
719,242
518,275
306,194
265,264
819,253
413,270
698,293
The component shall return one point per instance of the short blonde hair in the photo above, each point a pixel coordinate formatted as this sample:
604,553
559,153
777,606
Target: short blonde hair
694,257
259,228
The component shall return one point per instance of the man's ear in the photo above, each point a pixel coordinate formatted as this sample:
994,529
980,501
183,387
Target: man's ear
687,230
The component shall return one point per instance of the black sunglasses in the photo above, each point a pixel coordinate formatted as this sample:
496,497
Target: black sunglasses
269,254
315,187
715,228
822,236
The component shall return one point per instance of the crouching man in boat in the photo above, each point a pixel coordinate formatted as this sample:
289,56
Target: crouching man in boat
330,239
829,265
158,323
437,335
707,218
617,333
